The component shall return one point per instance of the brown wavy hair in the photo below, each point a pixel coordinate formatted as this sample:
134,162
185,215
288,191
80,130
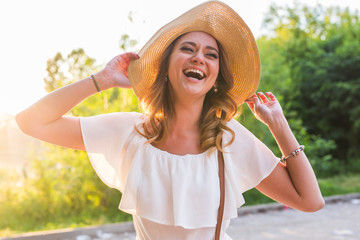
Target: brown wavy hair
218,108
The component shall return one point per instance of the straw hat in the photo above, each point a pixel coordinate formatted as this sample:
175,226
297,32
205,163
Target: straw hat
226,26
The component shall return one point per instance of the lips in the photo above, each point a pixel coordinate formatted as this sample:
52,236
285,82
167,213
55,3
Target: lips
194,73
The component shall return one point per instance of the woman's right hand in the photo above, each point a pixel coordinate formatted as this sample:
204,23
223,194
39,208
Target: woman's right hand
45,119
115,73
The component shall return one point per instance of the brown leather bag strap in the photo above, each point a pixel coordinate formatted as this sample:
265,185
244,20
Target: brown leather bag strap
222,194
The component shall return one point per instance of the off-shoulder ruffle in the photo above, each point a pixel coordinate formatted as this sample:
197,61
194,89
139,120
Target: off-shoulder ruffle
176,190
171,189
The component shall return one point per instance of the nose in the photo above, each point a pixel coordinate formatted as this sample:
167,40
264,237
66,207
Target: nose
198,58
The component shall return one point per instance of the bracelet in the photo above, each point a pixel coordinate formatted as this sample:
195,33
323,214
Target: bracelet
97,86
292,154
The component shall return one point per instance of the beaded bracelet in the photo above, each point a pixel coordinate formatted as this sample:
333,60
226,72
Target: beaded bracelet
97,86
293,154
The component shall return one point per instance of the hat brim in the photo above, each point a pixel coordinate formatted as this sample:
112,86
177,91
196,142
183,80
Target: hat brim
226,26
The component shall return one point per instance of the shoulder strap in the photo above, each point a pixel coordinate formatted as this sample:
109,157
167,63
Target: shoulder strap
222,194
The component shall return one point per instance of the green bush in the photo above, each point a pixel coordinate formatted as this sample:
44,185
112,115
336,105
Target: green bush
341,184
61,189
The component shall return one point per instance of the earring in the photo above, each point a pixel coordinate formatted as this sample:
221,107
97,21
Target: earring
166,78
215,89
218,113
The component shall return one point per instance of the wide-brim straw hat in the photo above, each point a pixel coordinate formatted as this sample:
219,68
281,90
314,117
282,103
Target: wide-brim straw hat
226,26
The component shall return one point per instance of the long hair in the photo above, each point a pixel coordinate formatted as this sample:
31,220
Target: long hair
218,108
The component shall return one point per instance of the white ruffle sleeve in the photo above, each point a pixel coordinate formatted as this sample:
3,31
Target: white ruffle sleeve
105,137
247,162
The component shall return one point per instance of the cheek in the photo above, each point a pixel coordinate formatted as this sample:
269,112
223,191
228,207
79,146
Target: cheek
172,62
175,69
172,73
215,70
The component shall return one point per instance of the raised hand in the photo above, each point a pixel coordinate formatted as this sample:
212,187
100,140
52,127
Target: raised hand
265,107
115,73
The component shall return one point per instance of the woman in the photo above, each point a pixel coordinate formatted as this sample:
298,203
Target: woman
191,77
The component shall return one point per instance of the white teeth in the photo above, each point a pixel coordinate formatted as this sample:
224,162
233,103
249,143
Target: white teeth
194,71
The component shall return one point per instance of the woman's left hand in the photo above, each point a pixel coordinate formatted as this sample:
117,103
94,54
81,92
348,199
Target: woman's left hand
265,107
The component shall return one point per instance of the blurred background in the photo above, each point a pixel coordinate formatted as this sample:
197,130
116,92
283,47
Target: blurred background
310,54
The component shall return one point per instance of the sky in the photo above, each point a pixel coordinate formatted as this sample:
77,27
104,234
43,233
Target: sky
31,32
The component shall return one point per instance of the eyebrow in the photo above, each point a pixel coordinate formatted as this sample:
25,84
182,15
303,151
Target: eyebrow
194,45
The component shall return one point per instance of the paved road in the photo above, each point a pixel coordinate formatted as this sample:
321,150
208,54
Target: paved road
335,221
339,220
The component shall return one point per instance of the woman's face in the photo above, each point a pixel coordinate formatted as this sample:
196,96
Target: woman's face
193,65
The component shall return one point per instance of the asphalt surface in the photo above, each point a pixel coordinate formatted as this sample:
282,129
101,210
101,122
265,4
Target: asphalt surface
338,220
334,221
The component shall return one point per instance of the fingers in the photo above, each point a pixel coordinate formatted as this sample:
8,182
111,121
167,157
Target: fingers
251,105
252,101
132,55
266,97
271,96
129,56
263,97
259,98
122,61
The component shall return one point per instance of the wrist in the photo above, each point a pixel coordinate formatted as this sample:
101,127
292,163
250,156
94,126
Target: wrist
278,123
283,135
95,83
101,81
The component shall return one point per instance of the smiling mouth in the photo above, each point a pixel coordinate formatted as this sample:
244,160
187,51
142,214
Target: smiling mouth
194,73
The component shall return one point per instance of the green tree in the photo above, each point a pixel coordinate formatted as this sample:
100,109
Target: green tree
62,189
315,54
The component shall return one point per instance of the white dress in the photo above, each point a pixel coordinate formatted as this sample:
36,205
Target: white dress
173,197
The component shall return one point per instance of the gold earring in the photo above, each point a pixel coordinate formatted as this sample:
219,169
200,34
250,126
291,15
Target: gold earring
218,113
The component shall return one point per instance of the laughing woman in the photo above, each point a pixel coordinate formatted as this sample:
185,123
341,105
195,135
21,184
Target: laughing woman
190,78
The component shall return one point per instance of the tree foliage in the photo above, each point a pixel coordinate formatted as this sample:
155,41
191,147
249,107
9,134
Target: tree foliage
60,186
311,59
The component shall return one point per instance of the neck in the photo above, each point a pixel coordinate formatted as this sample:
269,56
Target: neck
184,134
187,116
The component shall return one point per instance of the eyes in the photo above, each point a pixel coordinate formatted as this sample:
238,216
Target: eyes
211,54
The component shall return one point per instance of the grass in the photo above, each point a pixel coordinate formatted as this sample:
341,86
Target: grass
340,185
336,185
81,221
